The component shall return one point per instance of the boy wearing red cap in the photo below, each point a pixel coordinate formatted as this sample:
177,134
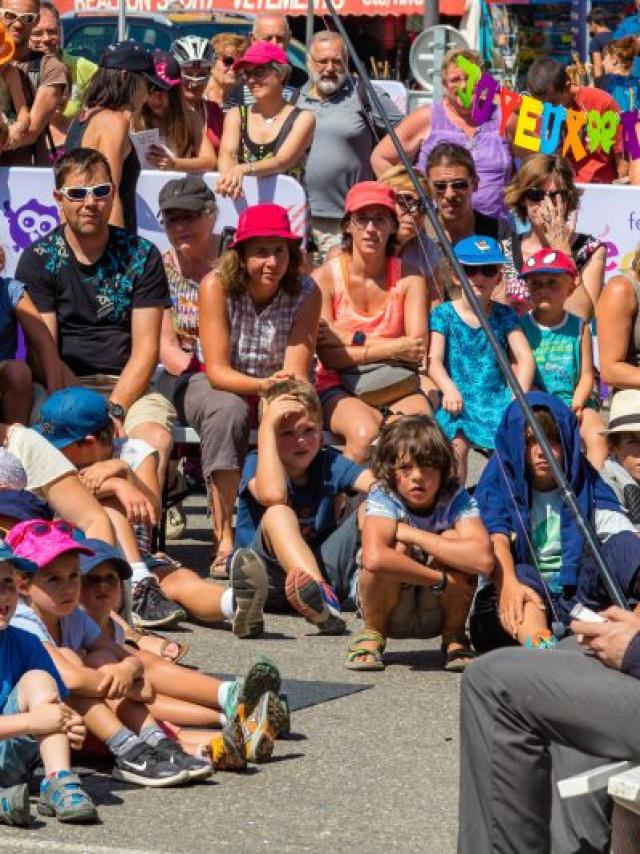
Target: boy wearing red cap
561,345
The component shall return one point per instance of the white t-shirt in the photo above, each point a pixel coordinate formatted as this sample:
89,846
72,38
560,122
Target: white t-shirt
43,463
78,630
133,451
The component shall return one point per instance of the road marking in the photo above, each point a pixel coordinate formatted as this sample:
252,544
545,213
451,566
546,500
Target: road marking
34,844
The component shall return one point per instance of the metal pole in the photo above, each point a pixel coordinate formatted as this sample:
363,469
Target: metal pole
122,19
309,23
431,15
584,525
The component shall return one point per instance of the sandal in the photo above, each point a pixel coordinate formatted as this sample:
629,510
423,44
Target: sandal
456,659
219,568
357,651
135,636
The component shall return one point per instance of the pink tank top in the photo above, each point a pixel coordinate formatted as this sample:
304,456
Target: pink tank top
387,322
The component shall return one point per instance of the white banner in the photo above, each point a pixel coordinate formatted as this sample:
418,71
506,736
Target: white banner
30,212
612,214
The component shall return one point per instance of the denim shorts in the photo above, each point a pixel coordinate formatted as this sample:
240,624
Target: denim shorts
336,557
17,754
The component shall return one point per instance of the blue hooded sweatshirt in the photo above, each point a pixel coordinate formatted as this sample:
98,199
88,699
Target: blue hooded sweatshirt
504,492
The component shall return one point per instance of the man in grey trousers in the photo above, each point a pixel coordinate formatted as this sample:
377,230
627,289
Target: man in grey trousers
530,718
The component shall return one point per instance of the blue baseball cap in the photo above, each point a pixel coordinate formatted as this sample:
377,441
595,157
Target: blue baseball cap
71,414
21,504
7,554
479,249
101,552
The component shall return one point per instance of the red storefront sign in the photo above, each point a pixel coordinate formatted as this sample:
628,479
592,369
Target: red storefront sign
289,7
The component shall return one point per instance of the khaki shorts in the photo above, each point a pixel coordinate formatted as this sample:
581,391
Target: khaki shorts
418,614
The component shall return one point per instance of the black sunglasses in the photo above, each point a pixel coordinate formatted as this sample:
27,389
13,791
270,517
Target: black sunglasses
227,61
536,195
486,269
409,203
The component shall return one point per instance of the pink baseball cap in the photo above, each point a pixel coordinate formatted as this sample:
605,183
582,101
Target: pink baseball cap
263,221
549,261
260,53
368,193
42,541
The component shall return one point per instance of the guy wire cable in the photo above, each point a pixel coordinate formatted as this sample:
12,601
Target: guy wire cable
608,579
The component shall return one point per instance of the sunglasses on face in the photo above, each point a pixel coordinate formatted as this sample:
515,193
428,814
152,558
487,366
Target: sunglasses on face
181,216
363,220
111,580
488,270
25,18
79,194
536,195
408,203
259,72
227,61
460,185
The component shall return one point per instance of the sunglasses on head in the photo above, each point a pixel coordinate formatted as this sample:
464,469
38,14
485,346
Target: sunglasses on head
535,194
110,579
408,203
42,527
458,186
79,194
487,270
24,17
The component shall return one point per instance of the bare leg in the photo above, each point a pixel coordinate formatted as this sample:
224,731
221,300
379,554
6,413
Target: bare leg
456,603
182,713
591,434
179,682
192,740
224,489
38,688
378,597
200,598
461,450
156,435
281,531
99,718
358,423
16,391
415,404
124,532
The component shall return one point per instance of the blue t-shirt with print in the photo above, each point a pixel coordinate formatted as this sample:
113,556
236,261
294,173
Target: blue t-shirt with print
11,292
443,516
77,630
20,652
329,474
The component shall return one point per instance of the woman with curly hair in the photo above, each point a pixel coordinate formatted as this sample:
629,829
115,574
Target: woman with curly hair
258,323
544,194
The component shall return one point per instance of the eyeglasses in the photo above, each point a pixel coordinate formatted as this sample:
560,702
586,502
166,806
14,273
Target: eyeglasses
408,203
170,217
330,60
460,185
227,61
25,18
361,220
488,270
111,580
258,72
79,194
536,195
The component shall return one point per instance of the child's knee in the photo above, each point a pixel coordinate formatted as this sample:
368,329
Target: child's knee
459,589
275,516
37,687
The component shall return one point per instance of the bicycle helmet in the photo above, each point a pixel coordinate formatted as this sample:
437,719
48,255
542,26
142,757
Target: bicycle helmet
192,49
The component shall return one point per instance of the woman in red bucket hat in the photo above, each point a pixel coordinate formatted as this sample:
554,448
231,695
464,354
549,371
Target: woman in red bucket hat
271,137
373,329
258,322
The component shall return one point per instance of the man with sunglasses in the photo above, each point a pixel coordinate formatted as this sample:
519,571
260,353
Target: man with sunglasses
43,78
344,137
102,291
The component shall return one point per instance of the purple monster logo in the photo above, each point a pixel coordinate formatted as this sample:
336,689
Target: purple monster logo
30,222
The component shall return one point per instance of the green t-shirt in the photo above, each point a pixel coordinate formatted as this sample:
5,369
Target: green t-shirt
546,535
556,350
82,70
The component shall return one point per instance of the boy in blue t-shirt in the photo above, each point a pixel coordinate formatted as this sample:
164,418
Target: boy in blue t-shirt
289,547
33,719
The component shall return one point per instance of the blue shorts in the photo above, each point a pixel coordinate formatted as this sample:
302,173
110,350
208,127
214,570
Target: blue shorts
622,555
336,557
17,754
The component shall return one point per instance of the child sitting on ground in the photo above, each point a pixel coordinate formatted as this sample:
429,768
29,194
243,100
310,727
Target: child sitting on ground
98,683
561,345
290,550
622,467
33,719
423,545
462,362
186,697
542,568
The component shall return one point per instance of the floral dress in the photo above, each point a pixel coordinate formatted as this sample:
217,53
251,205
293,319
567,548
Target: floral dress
474,370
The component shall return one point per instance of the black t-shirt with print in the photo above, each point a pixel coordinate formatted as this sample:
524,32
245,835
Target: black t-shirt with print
93,302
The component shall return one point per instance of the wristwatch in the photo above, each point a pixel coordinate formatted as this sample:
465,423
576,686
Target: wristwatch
116,411
359,339
439,587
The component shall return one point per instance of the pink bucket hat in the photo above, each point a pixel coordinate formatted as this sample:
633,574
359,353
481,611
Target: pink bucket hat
263,221
260,53
42,541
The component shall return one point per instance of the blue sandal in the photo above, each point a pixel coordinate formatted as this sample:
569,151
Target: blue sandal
62,796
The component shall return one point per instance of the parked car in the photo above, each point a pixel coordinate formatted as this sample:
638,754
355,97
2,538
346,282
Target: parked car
87,34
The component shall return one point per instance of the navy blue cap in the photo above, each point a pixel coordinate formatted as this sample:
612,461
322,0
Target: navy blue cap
21,504
101,552
71,414
7,554
479,249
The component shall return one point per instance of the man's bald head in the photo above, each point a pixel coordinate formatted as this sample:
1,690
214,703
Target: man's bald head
272,27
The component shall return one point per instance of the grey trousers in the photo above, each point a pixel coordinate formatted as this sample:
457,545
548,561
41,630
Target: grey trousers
527,719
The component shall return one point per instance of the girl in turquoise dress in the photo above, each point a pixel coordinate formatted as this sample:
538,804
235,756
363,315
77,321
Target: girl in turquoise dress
461,361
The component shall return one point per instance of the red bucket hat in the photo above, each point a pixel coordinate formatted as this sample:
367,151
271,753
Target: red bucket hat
263,221
549,261
260,53
368,193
